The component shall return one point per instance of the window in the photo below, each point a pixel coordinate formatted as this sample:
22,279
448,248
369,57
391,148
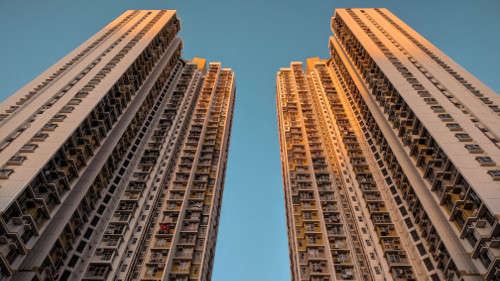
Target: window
311,239
445,117
486,100
151,271
428,264
49,127
417,86
28,148
494,108
485,161
88,87
421,249
39,137
454,127
394,258
67,109
161,242
409,223
81,94
437,108
74,101
495,174
430,100
473,148
16,160
183,266
58,118
98,270
414,235
5,173
463,137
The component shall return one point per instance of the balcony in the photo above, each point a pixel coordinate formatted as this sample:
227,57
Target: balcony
162,243
378,207
365,178
110,242
103,257
344,273
154,271
402,273
368,187
338,244
140,177
386,231
390,244
158,257
372,196
396,260
378,218
165,230
341,258
97,272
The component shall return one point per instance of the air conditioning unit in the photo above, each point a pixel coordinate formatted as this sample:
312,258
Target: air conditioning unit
17,220
3,239
483,250
495,243
481,223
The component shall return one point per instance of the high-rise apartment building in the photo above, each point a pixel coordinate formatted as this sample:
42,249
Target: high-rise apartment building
112,161
390,156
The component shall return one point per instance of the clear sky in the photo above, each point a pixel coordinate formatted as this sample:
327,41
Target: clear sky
255,38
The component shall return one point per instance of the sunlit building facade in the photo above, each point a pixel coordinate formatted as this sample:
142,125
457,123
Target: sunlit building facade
390,159
113,160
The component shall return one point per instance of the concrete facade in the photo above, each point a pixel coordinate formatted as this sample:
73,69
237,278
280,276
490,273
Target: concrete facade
409,144
91,150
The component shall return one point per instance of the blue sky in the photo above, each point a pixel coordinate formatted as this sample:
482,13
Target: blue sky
255,38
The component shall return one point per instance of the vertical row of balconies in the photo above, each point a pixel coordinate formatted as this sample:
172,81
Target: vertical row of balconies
130,203
386,233
345,134
349,255
179,236
313,256
422,149
457,197
101,183
293,159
